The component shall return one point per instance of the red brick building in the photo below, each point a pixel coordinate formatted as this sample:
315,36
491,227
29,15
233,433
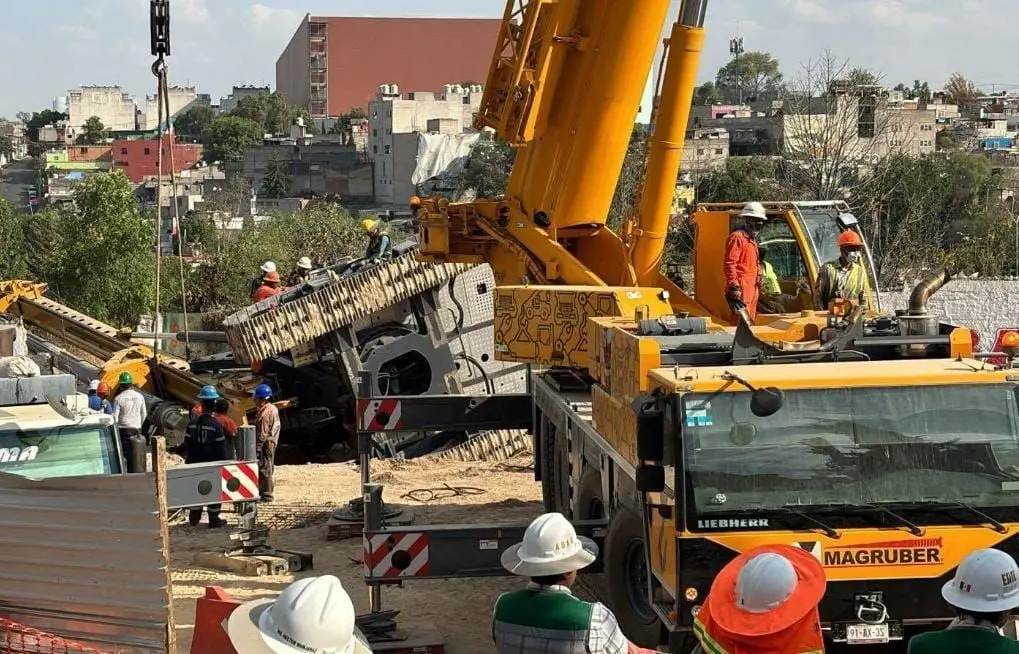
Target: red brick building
138,159
333,64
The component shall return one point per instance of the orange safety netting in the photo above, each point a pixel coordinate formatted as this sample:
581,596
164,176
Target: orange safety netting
16,638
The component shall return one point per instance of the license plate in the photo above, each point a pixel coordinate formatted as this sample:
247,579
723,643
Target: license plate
866,634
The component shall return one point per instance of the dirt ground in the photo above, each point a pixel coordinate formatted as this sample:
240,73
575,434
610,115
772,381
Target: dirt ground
461,609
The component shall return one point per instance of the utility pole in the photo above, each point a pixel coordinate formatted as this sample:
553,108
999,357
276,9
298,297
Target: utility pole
736,49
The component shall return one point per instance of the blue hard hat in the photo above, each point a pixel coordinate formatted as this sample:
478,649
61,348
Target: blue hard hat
208,392
262,392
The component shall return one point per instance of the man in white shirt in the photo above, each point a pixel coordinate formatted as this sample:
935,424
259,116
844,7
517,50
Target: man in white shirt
129,412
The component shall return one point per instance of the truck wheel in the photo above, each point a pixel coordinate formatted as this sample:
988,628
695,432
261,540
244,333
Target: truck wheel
591,506
626,574
555,469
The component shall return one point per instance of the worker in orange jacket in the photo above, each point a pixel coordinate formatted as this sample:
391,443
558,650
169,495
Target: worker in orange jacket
764,601
743,261
270,287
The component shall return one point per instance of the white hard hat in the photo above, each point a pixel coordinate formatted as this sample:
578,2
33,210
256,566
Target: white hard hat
764,582
753,210
304,262
550,547
313,614
987,581
268,267
93,385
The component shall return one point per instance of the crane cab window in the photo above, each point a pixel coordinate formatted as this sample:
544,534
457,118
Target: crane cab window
781,250
70,451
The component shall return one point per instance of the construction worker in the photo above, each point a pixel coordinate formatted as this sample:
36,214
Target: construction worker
221,411
846,277
264,269
207,392
764,600
301,273
267,437
545,616
379,244
313,614
743,261
95,403
270,287
103,391
206,441
129,411
983,592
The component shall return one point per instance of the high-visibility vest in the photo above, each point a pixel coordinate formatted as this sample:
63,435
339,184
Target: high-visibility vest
534,620
850,287
803,637
771,286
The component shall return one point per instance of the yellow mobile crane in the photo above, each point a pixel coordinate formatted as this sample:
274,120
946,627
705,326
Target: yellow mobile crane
879,443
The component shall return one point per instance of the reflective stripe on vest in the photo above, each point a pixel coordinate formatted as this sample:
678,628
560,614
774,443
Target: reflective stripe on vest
851,287
531,621
712,646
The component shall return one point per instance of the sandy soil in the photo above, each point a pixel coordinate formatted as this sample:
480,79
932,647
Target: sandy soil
460,608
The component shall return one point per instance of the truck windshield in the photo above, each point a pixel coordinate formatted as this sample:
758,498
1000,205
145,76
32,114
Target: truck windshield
853,446
60,452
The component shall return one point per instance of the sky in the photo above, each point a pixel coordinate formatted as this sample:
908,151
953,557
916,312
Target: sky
48,46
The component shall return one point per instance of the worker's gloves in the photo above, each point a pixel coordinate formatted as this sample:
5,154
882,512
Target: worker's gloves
734,294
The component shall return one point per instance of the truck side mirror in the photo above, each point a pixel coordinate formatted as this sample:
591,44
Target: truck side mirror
650,444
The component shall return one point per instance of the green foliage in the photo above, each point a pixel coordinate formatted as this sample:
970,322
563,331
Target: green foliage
6,147
193,123
270,111
198,229
94,132
487,170
324,233
630,182
40,119
756,72
706,93
228,137
12,243
743,179
276,182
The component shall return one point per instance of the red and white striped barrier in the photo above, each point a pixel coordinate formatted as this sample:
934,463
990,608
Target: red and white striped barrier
379,414
410,550
239,482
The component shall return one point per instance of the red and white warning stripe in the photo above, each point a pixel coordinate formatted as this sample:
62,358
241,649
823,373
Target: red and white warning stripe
379,550
380,414
239,482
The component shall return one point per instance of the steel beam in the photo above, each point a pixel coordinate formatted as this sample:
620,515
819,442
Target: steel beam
218,482
444,412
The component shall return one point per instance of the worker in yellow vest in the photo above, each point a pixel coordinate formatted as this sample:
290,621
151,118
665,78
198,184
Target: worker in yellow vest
846,277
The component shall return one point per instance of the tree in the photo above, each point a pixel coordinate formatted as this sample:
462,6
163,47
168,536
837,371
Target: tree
199,231
276,182
194,122
39,120
228,137
743,179
12,243
961,90
6,147
752,75
858,77
630,182
706,93
835,128
487,170
94,132
271,111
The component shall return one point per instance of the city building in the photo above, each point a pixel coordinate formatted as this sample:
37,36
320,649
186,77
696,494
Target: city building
394,123
182,98
114,108
329,166
79,157
15,131
139,159
704,151
229,102
333,64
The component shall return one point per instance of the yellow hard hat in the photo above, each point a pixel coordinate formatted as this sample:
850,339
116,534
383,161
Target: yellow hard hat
368,224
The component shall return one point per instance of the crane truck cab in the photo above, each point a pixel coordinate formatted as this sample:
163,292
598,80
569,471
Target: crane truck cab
48,431
799,238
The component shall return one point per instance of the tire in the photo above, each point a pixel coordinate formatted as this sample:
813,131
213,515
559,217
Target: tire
625,570
591,506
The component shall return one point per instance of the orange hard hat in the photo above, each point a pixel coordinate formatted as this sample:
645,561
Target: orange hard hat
271,276
103,389
849,239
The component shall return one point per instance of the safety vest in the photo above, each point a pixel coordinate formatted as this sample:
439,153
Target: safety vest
771,286
547,621
849,287
803,637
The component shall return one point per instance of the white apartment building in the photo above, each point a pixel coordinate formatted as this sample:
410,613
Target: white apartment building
393,114
182,98
114,108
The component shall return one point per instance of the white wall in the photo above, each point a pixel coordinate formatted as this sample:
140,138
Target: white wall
985,305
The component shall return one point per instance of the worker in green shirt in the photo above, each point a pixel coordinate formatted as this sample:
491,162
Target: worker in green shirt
983,593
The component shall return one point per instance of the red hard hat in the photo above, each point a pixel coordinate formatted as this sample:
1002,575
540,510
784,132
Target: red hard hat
272,276
103,389
849,239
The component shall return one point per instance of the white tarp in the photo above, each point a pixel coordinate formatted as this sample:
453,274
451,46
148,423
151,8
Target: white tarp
442,155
